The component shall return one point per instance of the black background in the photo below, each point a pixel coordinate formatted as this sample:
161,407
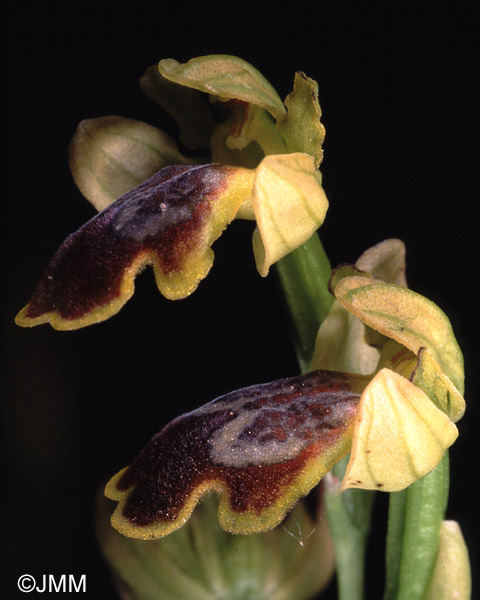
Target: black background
396,92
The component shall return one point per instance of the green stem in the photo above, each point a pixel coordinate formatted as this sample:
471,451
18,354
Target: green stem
415,516
349,516
304,275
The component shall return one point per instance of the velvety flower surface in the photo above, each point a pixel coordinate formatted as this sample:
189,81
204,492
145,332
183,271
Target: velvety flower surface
386,378
162,209
264,447
169,221
260,448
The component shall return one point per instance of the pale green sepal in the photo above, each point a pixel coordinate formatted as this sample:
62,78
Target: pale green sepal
301,127
289,205
385,261
226,77
190,108
111,155
405,316
342,342
451,579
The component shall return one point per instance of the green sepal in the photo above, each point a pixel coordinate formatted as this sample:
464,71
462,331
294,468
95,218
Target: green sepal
109,156
405,316
226,78
189,107
289,204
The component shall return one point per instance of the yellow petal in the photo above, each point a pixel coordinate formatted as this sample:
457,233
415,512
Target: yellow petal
289,205
451,579
399,435
405,316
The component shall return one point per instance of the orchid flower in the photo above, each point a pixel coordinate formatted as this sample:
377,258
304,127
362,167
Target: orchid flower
264,447
177,209
382,382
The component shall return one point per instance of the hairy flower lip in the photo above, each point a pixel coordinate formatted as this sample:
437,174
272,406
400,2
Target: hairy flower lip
260,448
88,280
170,221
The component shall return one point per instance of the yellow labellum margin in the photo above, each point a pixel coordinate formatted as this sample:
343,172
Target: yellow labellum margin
259,448
170,222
